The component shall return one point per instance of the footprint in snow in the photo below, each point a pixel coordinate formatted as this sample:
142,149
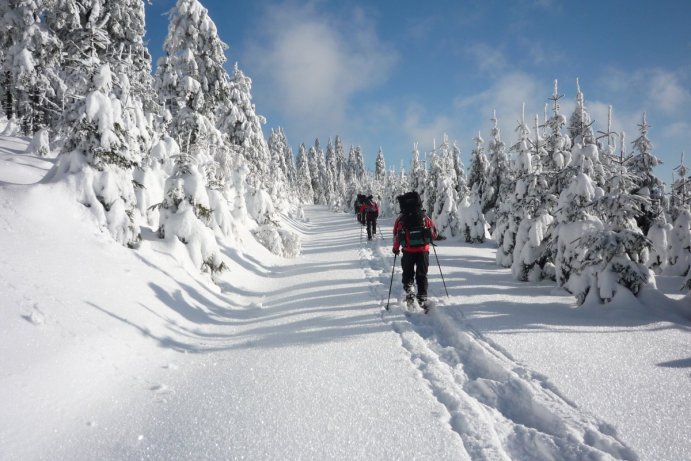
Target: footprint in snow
160,389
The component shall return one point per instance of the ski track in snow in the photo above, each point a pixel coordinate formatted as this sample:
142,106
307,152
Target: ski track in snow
500,409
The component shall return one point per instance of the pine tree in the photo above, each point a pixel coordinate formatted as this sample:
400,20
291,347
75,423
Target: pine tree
244,128
649,185
479,167
417,174
533,198
557,147
304,178
613,256
497,173
380,166
97,161
510,212
580,121
191,79
29,65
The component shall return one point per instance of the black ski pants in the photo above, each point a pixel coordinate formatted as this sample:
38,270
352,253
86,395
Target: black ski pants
371,227
415,266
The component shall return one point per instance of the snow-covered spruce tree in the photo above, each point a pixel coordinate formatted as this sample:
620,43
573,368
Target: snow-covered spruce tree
445,211
315,173
380,166
479,167
680,198
613,257
336,183
356,182
557,147
509,214
278,174
650,186
535,201
304,178
498,173
244,129
130,60
191,79
417,176
659,235
580,122
472,221
573,219
680,245
193,85
325,178
97,162
340,175
29,65
462,190
434,171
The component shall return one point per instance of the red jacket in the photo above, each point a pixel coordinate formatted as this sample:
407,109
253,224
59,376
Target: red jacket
398,226
373,208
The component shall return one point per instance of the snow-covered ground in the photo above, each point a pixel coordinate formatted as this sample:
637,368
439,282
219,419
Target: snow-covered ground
110,353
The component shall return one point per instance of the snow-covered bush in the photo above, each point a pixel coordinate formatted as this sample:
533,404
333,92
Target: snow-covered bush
40,143
659,236
609,265
528,255
186,215
680,245
279,241
472,222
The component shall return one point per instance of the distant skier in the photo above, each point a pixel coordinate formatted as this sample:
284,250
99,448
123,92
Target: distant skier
369,210
413,231
358,203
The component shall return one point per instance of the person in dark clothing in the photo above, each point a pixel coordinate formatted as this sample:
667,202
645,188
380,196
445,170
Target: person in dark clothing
413,232
370,211
357,205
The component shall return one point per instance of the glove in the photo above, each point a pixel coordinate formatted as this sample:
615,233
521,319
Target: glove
395,251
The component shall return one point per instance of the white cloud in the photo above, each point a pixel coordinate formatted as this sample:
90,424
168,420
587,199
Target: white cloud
425,130
311,64
677,130
666,92
488,59
653,88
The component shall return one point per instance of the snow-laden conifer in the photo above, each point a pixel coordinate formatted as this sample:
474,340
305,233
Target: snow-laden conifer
534,201
97,162
29,66
649,185
498,174
417,174
510,214
472,224
304,177
614,256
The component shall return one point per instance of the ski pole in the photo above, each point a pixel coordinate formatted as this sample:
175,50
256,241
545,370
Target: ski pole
440,272
391,284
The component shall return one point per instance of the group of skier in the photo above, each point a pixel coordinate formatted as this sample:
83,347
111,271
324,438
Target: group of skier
413,233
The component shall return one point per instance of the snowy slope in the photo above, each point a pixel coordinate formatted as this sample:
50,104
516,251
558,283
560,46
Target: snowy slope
109,353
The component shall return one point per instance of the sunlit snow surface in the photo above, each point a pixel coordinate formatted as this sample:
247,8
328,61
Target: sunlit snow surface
110,353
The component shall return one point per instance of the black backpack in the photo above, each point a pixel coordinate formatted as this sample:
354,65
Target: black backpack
413,231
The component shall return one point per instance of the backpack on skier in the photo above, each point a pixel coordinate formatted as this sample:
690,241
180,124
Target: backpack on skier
415,230
370,209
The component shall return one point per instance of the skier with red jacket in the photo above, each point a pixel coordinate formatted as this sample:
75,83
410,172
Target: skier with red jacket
369,210
413,232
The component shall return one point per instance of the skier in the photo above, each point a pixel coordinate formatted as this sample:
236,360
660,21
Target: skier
358,203
369,210
413,231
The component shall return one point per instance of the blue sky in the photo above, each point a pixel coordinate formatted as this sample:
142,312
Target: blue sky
390,73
